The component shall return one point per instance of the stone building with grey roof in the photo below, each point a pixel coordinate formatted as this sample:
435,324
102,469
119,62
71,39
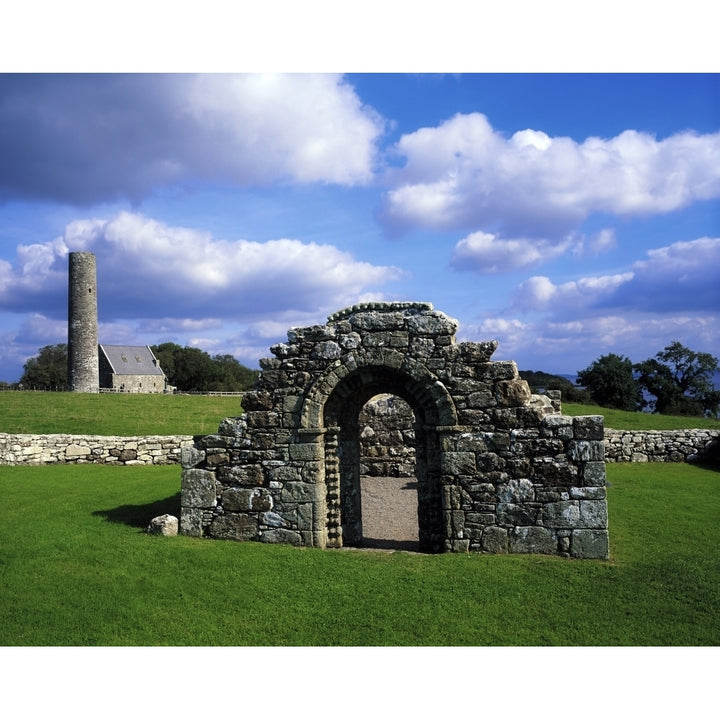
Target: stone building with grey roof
130,368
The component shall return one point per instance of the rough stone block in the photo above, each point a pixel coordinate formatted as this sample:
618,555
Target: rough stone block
458,463
495,540
299,492
234,526
198,489
75,451
589,427
593,514
532,540
281,535
240,475
586,451
510,514
246,500
515,491
564,514
191,522
512,393
555,472
326,350
163,525
588,493
590,544
306,451
272,519
594,474
432,323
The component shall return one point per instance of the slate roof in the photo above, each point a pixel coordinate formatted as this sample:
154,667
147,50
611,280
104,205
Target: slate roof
131,359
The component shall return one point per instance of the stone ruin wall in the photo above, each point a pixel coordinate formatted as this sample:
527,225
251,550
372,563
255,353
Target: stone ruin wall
387,438
387,441
691,446
498,469
61,449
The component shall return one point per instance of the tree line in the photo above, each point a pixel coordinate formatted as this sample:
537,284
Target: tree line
676,381
188,369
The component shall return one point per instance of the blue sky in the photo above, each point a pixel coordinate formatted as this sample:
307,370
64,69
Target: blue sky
566,216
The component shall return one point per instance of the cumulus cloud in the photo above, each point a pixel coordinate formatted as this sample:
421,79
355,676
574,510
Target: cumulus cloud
465,174
677,278
539,293
89,139
150,270
567,346
487,253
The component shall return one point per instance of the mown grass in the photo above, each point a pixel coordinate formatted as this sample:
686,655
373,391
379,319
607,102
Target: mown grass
624,420
114,414
126,414
77,568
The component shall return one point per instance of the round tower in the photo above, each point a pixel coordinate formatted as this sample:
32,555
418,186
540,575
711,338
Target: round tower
83,368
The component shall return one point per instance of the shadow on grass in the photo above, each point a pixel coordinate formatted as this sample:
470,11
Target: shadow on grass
139,516
389,544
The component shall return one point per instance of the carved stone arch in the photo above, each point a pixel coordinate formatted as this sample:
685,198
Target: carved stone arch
502,470
410,378
330,414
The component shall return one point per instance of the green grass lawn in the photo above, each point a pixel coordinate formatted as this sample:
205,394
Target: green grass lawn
624,420
114,414
130,414
77,568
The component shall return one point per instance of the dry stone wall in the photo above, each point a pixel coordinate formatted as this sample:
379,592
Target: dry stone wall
387,443
91,449
497,468
387,438
662,445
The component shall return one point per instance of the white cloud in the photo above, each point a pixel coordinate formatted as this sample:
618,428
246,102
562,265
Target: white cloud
679,277
487,253
308,128
99,138
147,269
539,293
593,245
676,278
571,345
465,174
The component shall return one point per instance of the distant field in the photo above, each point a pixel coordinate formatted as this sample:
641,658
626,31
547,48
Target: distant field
129,414
114,414
623,420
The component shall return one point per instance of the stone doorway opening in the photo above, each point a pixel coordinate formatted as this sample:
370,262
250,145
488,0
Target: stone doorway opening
376,498
388,483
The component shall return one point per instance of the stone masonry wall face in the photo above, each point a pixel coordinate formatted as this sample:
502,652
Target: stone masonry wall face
387,438
661,445
389,450
500,470
91,449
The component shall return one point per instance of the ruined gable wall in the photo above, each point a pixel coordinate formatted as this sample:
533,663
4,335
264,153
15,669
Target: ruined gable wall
511,475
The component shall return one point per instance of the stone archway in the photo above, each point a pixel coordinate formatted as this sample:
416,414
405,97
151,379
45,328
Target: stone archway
333,406
341,411
388,479
499,470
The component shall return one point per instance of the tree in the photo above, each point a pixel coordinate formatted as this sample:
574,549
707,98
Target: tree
47,371
681,381
232,376
612,384
539,380
193,369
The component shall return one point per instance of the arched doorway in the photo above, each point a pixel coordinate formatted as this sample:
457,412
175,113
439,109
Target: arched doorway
388,482
343,479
